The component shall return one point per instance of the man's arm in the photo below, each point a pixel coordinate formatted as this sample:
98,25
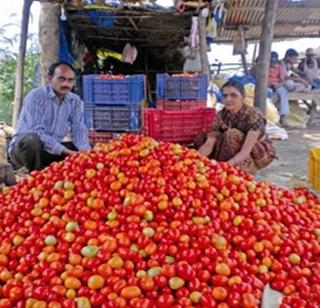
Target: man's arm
79,132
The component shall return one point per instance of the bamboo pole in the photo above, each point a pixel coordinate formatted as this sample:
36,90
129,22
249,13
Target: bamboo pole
18,90
260,96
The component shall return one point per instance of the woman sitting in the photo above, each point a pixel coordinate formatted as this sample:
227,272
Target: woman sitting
238,134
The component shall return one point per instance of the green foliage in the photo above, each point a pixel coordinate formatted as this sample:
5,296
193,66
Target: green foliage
8,63
7,82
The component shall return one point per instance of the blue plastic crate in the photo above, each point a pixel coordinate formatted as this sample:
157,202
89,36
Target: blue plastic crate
127,91
182,87
113,118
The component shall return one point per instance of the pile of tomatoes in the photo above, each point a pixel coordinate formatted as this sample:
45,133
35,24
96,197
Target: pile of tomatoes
141,223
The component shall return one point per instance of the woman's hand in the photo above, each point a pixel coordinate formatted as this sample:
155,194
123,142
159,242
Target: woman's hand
250,141
207,147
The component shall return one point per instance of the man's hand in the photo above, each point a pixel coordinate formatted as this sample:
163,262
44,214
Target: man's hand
67,152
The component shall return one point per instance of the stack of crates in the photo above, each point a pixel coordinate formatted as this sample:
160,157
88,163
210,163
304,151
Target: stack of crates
314,168
112,104
181,111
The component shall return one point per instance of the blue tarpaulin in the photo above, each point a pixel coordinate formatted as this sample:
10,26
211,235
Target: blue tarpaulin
101,18
65,53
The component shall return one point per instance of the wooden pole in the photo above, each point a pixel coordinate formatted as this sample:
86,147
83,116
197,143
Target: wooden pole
18,90
260,96
254,55
244,63
48,37
203,45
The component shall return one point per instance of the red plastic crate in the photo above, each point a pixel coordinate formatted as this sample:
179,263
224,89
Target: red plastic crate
173,105
177,126
99,137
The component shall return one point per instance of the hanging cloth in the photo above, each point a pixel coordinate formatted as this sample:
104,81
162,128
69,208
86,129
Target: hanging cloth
194,39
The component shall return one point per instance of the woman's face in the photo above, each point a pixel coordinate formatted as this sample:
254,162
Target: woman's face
232,99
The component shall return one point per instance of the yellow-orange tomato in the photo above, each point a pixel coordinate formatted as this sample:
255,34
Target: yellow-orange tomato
72,283
223,269
147,283
95,282
130,292
115,262
234,279
74,259
219,293
105,270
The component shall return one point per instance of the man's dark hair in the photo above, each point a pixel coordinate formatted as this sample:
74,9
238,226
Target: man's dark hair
291,53
235,84
53,67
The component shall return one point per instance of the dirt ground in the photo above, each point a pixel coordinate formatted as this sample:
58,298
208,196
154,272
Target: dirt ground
290,169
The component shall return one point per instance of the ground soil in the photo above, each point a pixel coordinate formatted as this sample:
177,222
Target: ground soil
290,169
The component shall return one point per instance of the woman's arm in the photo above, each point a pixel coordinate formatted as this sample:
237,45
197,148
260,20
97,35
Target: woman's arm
250,141
208,146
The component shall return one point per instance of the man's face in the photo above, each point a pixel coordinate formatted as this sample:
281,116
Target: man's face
273,63
292,60
62,80
311,56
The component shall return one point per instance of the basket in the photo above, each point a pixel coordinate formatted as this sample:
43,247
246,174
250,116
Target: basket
314,168
113,118
182,87
177,126
127,91
172,105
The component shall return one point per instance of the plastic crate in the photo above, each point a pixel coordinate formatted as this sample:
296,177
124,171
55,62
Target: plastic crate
177,126
99,137
113,118
182,87
314,168
126,91
172,105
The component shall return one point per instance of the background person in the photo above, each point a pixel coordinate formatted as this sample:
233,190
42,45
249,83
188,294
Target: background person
310,68
238,134
293,81
47,114
276,84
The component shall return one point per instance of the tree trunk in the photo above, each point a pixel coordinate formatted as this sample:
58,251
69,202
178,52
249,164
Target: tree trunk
203,45
260,96
48,37
18,92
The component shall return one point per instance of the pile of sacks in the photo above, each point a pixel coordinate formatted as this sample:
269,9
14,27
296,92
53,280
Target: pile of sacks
7,176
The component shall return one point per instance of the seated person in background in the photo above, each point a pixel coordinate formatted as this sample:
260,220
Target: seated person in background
238,134
276,81
310,68
46,116
293,81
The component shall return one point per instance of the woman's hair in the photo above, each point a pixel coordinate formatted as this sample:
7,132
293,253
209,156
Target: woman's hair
53,67
235,84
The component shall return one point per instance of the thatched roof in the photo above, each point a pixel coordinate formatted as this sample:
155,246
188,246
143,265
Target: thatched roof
146,27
